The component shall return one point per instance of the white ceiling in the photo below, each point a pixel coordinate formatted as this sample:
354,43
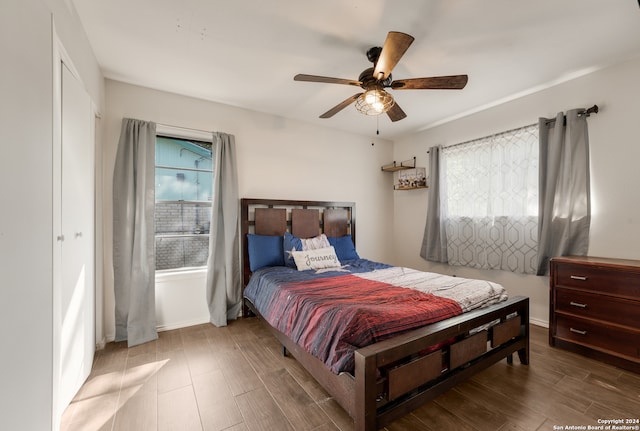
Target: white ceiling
245,53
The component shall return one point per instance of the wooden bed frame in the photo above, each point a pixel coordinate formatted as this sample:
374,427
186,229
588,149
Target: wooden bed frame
392,377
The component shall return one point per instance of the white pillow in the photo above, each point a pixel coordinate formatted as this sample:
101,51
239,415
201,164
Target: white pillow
320,241
320,258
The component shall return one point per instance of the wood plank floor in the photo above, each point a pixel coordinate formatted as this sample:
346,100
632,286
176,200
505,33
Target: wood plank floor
235,379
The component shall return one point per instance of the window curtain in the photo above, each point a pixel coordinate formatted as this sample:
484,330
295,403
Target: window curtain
483,203
434,241
224,293
565,202
133,233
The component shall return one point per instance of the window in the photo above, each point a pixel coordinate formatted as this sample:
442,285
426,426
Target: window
183,175
489,198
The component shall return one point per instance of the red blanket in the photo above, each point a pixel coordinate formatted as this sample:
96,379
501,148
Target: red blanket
331,317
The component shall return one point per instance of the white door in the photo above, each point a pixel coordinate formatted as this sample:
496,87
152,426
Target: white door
77,286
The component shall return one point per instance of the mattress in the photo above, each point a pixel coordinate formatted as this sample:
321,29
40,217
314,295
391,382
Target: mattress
332,312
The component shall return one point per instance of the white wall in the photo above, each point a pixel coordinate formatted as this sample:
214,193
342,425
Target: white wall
180,299
615,151
26,229
277,158
25,234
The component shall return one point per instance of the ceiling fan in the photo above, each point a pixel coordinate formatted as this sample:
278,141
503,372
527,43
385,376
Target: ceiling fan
375,100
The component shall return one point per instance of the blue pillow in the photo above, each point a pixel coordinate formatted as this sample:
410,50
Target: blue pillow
290,243
345,250
264,250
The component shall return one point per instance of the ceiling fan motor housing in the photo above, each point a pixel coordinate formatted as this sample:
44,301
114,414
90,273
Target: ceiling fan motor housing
369,81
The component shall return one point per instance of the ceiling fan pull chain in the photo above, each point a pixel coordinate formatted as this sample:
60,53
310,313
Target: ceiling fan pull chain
377,124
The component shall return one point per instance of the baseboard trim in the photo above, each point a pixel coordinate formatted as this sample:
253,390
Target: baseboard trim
539,322
178,325
160,328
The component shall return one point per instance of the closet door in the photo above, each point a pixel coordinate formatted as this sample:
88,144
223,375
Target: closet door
77,287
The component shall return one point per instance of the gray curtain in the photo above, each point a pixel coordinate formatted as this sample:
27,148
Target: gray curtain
565,203
133,233
434,241
224,293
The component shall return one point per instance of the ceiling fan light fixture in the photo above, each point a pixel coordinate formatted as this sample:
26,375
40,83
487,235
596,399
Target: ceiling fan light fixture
375,101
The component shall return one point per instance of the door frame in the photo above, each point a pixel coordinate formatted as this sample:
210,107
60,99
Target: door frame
59,57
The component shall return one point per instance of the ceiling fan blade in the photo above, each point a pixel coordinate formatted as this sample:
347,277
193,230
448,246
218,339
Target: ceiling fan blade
340,106
454,82
393,49
396,113
325,79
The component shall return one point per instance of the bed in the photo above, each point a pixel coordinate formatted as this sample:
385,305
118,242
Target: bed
377,366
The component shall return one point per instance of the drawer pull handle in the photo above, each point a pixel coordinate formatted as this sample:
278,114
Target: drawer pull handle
577,304
578,277
578,331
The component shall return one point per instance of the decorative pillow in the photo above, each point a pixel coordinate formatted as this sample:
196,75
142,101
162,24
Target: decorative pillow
345,250
315,243
264,250
292,243
320,258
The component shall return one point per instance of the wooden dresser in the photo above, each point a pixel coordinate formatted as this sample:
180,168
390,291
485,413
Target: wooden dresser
595,308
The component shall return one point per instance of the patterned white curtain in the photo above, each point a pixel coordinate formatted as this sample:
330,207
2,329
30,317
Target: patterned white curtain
489,201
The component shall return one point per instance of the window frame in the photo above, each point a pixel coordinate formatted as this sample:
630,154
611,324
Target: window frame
171,132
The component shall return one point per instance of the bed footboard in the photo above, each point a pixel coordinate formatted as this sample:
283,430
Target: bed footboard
395,376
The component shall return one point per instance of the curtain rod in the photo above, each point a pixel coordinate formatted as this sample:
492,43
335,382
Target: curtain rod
488,136
586,112
184,128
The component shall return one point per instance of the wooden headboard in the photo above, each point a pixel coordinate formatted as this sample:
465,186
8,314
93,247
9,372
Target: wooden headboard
304,219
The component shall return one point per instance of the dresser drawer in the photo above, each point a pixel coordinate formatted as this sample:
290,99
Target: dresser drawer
592,278
594,306
598,336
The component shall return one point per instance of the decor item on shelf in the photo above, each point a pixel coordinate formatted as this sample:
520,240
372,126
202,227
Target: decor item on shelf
375,100
412,179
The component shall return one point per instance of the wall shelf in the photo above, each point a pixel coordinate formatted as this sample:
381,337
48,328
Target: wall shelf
410,178
400,187
394,166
